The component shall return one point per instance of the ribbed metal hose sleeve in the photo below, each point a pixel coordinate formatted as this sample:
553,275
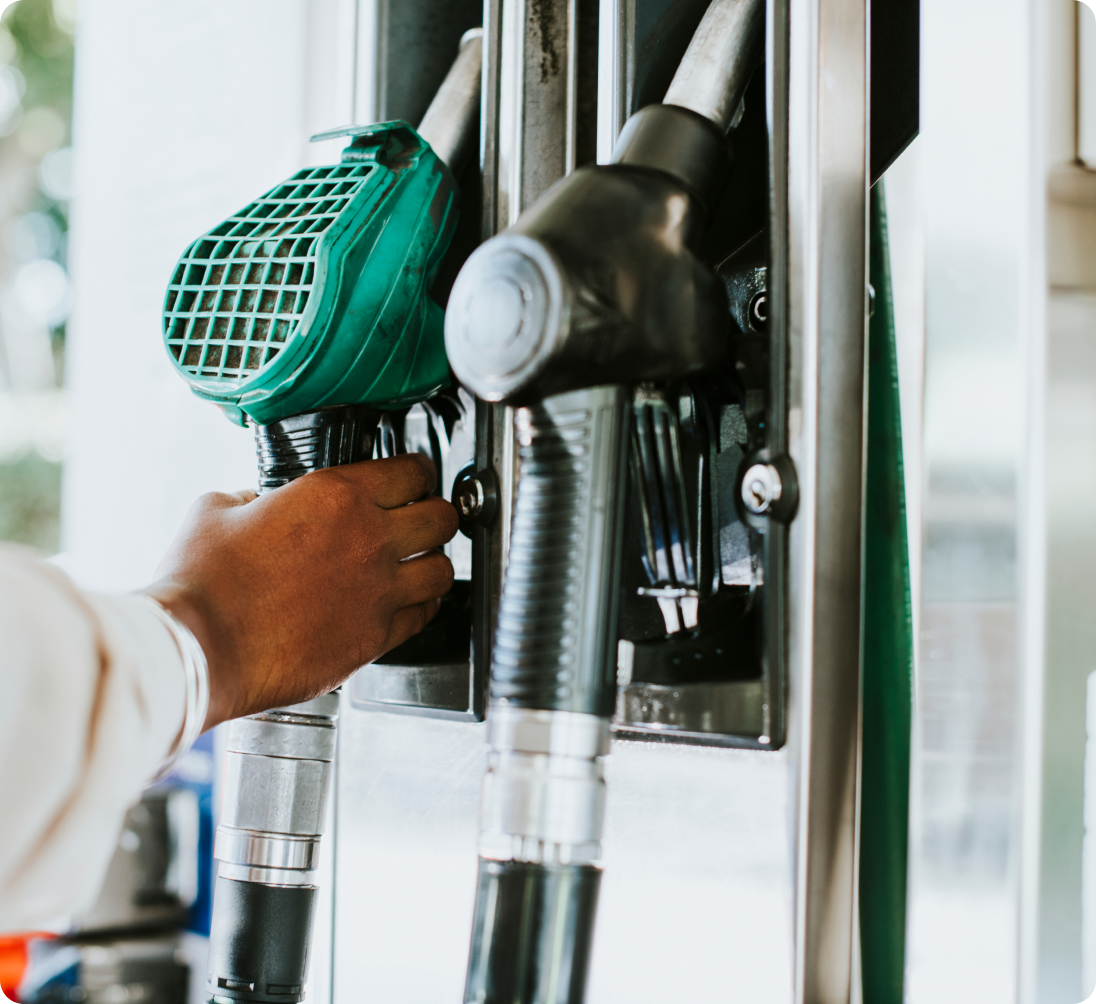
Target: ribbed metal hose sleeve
552,690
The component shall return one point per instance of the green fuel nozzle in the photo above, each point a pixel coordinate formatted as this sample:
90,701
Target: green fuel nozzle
306,315
315,296
316,293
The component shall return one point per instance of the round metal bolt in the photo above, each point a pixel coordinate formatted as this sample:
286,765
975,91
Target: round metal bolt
761,488
470,500
476,498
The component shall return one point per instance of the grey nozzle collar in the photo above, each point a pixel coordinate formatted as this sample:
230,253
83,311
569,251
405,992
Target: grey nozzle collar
508,313
679,142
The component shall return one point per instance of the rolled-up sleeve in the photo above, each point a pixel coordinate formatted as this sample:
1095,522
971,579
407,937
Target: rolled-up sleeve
93,697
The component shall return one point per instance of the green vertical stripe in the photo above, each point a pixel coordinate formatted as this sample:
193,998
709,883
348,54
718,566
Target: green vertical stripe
888,653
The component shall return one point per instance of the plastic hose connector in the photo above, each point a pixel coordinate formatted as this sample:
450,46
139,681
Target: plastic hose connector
258,944
277,776
531,933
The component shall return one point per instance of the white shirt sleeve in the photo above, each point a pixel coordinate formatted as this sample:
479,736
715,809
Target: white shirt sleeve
92,698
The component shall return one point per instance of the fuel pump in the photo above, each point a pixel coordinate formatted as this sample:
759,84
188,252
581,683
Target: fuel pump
307,315
577,316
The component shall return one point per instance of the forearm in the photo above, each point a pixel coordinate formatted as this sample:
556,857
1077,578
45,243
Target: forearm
94,699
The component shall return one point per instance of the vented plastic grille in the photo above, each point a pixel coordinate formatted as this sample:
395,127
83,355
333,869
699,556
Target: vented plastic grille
240,291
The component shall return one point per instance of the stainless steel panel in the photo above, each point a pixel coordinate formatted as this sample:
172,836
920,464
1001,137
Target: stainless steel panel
441,691
709,713
730,874
826,322
405,857
536,101
696,899
696,902
1066,967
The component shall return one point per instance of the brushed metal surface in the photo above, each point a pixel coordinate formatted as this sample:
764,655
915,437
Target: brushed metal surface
266,850
274,794
270,737
556,733
826,320
691,712
544,792
535,102
285,877
696,902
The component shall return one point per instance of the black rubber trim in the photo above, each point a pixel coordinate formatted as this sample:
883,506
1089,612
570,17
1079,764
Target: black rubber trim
258,942
531,933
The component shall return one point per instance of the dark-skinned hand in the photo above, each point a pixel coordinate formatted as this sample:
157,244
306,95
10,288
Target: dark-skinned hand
288,593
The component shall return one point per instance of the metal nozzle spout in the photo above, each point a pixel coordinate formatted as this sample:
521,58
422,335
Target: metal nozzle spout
717,66
449,124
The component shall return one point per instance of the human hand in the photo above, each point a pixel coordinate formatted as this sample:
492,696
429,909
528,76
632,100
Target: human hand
288,593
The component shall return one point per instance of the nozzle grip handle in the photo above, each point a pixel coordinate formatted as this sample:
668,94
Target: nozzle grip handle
557,615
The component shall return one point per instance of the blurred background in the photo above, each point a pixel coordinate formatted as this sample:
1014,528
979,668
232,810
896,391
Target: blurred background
102,447
36,72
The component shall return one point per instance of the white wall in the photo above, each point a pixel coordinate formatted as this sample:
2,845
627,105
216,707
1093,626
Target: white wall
184,113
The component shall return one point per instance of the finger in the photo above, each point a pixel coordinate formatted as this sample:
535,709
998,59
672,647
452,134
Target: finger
394,481
425,577
410,621
421,526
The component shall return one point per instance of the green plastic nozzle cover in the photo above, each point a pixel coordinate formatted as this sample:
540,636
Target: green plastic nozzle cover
316,293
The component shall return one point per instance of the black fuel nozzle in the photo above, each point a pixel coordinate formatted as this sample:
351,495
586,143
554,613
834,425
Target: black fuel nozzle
596,288
307,315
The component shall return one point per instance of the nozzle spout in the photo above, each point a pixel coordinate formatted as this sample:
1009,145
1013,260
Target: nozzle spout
717,66
449,125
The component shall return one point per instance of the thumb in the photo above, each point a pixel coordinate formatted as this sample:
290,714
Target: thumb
216,501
